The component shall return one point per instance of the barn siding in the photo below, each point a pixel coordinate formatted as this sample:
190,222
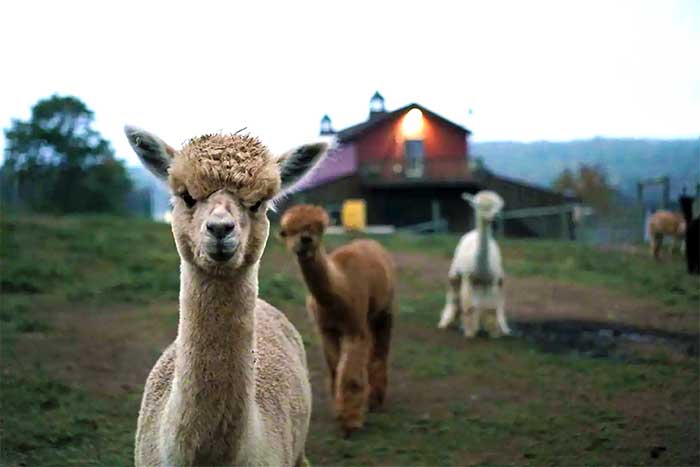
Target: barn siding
406,205
385,141
403,207
329,195
443,142
381,143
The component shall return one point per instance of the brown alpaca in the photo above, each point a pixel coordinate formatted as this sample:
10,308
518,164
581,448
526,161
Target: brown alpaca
664,223
352,301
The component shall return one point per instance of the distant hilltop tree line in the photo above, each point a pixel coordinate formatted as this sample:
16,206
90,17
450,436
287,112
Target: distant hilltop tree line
579,166
56,162
589,184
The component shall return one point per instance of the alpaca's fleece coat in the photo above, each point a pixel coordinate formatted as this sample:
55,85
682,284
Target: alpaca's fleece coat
233,388
464,265
665,223
483,276
476,274
282,393
352,302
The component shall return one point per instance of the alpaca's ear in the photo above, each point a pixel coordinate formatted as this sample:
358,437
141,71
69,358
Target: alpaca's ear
153,152
324,220
468,198
300,161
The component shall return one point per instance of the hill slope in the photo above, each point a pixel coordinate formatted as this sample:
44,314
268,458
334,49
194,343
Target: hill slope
625,160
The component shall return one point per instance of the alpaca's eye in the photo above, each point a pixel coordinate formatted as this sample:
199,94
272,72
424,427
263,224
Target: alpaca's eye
188,199
283,233
255,207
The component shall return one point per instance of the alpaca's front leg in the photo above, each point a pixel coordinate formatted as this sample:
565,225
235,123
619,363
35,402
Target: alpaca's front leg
331,350
471,310
451,301
501,312
471,318
502,323
352,386
378,364
656,244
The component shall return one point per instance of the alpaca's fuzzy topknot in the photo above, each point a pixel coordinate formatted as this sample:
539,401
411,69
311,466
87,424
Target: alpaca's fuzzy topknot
239,163
486,203
304,216
488,200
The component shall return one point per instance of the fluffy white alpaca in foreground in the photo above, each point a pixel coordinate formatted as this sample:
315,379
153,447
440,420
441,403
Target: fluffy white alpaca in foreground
476,275
233,388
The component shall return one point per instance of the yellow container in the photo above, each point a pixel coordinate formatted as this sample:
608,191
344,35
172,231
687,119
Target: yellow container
354,214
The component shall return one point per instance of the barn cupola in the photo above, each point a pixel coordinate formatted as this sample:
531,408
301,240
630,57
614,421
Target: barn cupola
326,126
376,106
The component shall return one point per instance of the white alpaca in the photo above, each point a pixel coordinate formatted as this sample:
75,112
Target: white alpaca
233,387
476,274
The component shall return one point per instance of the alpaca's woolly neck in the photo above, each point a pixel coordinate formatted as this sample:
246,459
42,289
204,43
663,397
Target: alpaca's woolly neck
481,265
320,276
213,394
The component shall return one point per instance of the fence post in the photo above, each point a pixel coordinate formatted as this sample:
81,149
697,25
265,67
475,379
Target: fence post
666,183
435,211
564,225
640,193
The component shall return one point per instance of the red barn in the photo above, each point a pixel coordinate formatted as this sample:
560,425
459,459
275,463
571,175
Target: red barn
410,165
411,142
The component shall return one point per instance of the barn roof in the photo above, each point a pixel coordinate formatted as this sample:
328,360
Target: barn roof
353,132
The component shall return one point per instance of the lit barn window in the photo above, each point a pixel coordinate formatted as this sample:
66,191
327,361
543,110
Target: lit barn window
412,124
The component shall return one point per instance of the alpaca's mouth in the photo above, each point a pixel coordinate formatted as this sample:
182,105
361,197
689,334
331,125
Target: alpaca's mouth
221,256
222,250
303,250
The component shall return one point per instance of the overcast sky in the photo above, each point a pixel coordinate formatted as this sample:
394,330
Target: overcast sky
530,70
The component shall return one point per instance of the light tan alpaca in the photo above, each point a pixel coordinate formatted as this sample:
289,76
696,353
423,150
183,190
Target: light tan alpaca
668,223
352,303
233,388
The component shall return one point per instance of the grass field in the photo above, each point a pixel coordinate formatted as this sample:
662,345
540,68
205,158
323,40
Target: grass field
88,304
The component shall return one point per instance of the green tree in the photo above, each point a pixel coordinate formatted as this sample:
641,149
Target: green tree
57,162
589,183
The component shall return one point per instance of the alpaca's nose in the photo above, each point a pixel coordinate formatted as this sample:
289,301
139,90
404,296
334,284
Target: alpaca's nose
220,229
305,239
